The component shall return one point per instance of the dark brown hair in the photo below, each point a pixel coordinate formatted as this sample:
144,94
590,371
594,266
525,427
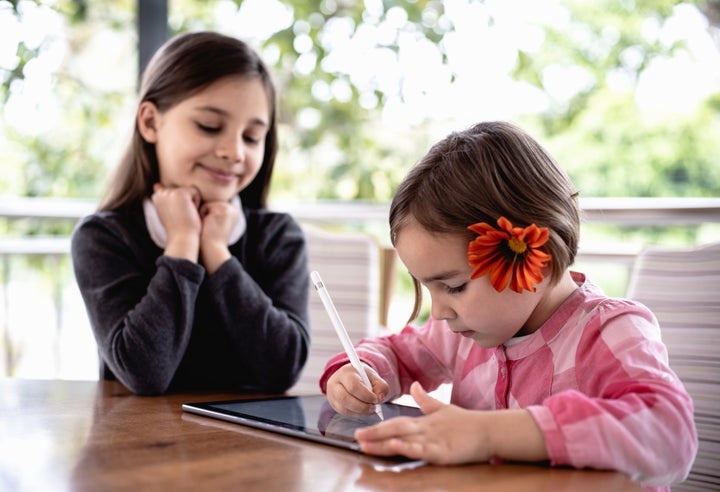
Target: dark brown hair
490,170
180,68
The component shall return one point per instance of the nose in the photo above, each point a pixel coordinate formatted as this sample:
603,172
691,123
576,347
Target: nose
441,310
231,148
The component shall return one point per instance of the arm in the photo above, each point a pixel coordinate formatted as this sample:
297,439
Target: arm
628,408
141,312
424,354
259,298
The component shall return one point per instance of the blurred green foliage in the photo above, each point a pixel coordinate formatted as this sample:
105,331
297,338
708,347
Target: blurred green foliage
600,135
334,145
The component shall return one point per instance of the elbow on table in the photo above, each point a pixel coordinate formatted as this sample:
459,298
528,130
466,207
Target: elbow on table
282,378
146,384
282,374
141,383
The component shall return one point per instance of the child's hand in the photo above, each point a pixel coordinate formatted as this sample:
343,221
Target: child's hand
178,212
218,220
347,394
448,434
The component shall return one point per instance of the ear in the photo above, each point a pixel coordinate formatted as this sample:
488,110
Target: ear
148,118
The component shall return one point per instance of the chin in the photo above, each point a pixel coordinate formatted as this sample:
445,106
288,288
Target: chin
214,196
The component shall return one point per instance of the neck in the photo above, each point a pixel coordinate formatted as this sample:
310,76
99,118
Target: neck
552,297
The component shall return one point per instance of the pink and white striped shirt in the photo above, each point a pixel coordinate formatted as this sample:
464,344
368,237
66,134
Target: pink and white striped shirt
595,377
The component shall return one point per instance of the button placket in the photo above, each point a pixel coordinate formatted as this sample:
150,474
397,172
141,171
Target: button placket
502,384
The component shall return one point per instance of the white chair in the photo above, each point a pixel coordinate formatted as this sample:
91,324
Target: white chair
682,288
349,264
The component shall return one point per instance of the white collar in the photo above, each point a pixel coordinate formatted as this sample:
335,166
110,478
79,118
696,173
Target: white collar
159,234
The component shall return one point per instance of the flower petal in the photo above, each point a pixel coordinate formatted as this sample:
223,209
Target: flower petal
509,254
500,275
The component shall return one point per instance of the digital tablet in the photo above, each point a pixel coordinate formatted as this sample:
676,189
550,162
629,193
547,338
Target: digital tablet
307,417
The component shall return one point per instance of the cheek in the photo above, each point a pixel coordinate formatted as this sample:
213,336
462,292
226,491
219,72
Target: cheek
169,148
253,164
256,157
486,304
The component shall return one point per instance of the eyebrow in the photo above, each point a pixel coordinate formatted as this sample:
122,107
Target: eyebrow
222,112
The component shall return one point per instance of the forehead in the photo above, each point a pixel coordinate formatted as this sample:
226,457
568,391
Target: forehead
429,255
232,93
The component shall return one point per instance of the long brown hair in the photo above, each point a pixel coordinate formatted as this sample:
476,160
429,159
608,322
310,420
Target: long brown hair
490,170
180,68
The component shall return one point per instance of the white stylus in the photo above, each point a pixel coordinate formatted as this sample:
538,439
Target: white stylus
342,332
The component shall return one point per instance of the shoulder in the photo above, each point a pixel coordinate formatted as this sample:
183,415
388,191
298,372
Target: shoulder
589,313
273,227
111,230
266,217
614,319
100,224
589,298
595,300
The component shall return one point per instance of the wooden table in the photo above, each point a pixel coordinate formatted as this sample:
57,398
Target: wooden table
97,436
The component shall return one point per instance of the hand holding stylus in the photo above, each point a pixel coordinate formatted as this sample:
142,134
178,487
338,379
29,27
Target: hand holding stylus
342,333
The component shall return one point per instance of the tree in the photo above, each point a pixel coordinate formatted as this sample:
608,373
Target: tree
357,110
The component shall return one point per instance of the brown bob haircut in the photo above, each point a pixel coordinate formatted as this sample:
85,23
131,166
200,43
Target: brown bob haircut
490,170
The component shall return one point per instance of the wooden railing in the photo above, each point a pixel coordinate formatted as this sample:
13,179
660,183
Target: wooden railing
60,304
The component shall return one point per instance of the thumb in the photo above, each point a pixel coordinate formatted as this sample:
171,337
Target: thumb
195,196
379,385
427,403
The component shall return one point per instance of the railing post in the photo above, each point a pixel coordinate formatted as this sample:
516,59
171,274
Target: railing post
6,355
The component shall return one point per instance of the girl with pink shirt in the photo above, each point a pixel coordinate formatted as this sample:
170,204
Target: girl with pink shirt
544,367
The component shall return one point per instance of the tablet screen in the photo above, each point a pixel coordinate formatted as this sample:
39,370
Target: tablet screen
308,417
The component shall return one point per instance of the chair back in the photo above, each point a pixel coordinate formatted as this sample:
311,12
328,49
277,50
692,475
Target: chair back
349,264
682,288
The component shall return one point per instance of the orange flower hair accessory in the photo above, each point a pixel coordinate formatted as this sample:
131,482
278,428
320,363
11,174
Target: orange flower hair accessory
509,255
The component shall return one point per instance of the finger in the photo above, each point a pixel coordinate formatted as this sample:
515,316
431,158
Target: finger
399,436
398,427
353,384
379,386
196,196
427,403
158,189
204,209
359,401
394,447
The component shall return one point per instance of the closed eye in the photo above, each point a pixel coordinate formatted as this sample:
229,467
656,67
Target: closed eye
208,129
456,290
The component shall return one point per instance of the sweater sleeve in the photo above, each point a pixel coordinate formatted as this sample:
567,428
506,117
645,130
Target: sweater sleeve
631,412
140,307
260,300
424,354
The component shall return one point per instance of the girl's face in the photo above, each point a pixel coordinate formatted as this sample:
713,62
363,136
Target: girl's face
214,140
472,308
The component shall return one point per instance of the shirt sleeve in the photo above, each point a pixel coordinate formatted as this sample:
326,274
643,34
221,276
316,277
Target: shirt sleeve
420,354
261,301
631,412
142,322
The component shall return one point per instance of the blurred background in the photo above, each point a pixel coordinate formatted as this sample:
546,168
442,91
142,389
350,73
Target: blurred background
624,93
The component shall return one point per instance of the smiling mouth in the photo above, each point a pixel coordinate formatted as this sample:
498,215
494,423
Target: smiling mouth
217,175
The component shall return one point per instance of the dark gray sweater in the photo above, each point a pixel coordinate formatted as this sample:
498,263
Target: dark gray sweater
161,324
